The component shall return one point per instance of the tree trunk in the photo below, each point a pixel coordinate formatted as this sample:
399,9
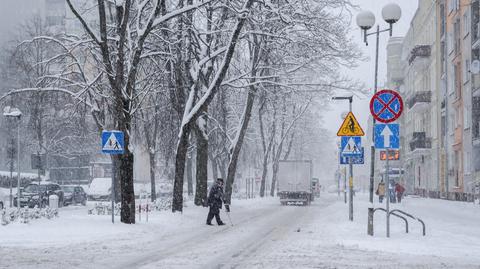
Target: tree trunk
202,167
235,153
189,176
153,165
264,175
182,147
213,163
125,175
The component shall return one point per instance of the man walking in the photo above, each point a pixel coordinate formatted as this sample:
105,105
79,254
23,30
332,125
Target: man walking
399,189
215,200
381,191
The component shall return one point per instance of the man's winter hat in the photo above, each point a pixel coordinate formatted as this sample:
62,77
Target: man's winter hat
220,179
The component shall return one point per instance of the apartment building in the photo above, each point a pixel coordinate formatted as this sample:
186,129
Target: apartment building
440,132
474,120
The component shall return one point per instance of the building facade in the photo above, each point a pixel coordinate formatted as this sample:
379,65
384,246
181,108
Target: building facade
438,75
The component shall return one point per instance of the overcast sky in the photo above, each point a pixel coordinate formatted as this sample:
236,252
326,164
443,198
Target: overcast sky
365,70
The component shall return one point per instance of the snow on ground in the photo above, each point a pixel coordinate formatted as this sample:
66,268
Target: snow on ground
264,235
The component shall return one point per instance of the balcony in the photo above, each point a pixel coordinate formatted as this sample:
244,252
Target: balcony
475,24
419,56
420,144
419,101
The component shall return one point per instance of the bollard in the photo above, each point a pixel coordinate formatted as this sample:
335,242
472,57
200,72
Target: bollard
53,201
370,221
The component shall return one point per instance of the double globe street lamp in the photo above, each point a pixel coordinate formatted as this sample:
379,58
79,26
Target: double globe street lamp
391,13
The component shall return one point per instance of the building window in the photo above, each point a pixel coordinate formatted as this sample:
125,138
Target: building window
458,81
442,20
456,36
468,162
466,71
450,6
466,23
466,116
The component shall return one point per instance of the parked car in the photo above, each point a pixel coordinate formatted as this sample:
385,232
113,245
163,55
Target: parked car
35,194
74,195
99,189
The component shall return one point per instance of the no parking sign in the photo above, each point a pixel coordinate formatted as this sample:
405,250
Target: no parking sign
386,106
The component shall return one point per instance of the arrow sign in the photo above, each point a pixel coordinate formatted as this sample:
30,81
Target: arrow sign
386,133
387,136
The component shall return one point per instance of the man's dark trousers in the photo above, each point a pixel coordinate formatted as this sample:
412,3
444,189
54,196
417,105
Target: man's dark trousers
214,212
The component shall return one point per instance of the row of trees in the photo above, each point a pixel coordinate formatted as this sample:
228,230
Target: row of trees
217,85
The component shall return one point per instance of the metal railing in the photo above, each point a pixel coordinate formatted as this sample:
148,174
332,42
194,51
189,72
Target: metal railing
420,97
397,213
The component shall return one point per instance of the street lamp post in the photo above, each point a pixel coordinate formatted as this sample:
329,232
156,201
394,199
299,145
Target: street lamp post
13,112
391,13
350,164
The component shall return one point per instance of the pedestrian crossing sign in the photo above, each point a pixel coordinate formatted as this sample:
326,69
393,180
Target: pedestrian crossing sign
350,127
113,142
351,146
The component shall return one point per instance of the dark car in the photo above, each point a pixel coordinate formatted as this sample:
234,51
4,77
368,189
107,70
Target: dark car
35,194
74,195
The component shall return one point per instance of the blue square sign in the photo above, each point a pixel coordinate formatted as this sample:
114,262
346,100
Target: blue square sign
113,142
355,160
351,146
387,136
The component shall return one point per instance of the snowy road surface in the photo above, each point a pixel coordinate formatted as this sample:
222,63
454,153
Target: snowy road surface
264,235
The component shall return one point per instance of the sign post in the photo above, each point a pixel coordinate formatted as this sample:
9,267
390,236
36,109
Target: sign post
113,142
386,106
351,133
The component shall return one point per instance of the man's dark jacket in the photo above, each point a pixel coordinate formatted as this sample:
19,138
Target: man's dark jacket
215,197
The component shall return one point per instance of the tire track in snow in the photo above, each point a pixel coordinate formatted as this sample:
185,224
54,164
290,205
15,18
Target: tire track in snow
174,245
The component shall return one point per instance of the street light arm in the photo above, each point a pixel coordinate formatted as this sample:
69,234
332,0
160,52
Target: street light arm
381,31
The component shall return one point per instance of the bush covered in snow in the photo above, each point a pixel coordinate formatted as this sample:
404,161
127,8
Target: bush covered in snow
25,215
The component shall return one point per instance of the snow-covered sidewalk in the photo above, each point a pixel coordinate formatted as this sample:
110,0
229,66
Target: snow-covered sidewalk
265,235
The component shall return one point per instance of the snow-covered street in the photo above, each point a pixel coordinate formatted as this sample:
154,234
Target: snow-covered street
265,235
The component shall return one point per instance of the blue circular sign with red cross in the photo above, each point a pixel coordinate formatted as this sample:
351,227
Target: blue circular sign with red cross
386,106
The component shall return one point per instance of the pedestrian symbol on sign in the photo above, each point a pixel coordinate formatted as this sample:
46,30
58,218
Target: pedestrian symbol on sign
112,142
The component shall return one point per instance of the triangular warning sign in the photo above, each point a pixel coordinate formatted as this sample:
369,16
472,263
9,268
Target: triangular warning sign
350,127
112,143
351,147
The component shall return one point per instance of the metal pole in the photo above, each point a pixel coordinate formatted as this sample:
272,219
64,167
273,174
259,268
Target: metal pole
372,154
446,117
113,191
350,180
345,184
339,177
18,164
350,187
11,180
388,192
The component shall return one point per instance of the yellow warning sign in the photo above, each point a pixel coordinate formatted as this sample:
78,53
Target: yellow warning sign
350,127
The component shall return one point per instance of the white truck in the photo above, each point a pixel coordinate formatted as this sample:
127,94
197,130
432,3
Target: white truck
295,182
